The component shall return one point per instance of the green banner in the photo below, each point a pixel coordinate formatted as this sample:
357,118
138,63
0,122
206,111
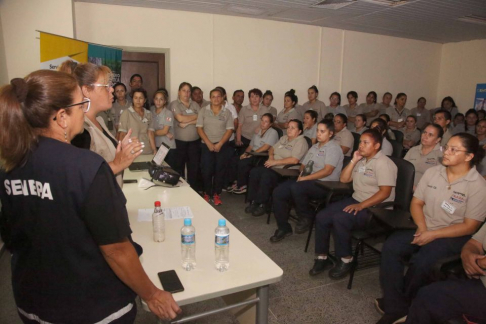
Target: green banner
111,57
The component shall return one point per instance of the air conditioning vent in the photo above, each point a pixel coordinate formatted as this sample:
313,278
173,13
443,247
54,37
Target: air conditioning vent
252,11
388,3
333,4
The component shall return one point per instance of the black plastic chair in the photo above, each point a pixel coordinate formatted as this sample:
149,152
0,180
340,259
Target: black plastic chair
309,141
398,136
279,131
403,197
356,137
397,148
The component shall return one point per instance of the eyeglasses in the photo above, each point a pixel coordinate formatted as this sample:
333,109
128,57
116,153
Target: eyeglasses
107,86
86,105
453,150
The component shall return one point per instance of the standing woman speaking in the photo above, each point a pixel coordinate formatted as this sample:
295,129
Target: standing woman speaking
95,83
63,215
215,126
187,139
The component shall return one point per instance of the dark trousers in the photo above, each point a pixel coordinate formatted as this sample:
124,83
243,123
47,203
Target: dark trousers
213,168
232,167
300,193
445,300
244,168
242,148
262,182
398,291
342,223
188,154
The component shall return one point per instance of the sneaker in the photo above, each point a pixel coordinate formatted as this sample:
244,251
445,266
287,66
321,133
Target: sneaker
392,319
251,207
302,225
320,265
380,305
280,235
240,191
217,201
259,210
340,270
206,197
231,188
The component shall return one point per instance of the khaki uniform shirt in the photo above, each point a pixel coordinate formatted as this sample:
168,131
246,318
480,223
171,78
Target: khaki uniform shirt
413,135
316,106
386,147
272,110
328,109
360,131
204,103
164,118
480,236
381,110
189,133
284,117
368,108
461,128
446,137
130,119
311,132
447,204
215,125
109,119
423,162
284,148
423,117
118,110
397,116
250,120
270,137
331,154
346,139
369,175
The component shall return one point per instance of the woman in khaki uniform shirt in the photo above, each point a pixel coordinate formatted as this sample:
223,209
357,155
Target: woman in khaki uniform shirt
288,150
139,120
289,112
448,206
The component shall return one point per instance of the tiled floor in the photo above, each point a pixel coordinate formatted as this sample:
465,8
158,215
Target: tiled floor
298,298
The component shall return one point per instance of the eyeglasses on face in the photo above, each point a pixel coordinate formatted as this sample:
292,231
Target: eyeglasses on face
453,150
107,86
86,105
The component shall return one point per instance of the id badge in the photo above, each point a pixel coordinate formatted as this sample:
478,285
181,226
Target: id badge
255,117
362,169
189,111
400,120
449,208
418,114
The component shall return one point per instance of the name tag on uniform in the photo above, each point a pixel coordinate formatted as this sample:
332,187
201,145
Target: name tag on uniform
448,207
255,117
144,120
361,169
280,146
419,114
189,111
400,120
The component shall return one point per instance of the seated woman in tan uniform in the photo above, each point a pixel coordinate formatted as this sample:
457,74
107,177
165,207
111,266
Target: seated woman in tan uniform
313,104
267,102
288,150
289,112
95,82
448,207
310,125
342,135
139,120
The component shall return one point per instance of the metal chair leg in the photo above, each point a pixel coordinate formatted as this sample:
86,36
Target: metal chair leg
311,227
354,263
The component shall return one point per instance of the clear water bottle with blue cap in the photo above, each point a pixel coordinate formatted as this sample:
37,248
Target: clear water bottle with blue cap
221,246
188,245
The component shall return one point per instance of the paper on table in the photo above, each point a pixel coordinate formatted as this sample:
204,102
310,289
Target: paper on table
145,215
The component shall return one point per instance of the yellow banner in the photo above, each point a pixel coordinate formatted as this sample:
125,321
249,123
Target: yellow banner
56,49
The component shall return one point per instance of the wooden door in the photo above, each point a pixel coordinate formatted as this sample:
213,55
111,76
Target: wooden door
151,66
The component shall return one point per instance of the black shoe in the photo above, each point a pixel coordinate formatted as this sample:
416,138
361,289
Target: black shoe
302,225
259,210
380,305
280,235
340,270
320,265
250,208
392,319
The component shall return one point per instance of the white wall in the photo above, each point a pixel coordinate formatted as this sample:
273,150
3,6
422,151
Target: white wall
20,20
463,66
3,61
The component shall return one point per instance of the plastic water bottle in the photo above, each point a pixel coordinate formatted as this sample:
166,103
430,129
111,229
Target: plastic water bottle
158,222
221,246
188,245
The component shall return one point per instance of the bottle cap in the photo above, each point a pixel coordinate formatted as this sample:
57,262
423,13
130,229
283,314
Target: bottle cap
187,222
157,204
222,222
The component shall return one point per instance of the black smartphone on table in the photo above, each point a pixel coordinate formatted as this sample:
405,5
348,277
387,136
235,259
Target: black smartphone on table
130,181
170,281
